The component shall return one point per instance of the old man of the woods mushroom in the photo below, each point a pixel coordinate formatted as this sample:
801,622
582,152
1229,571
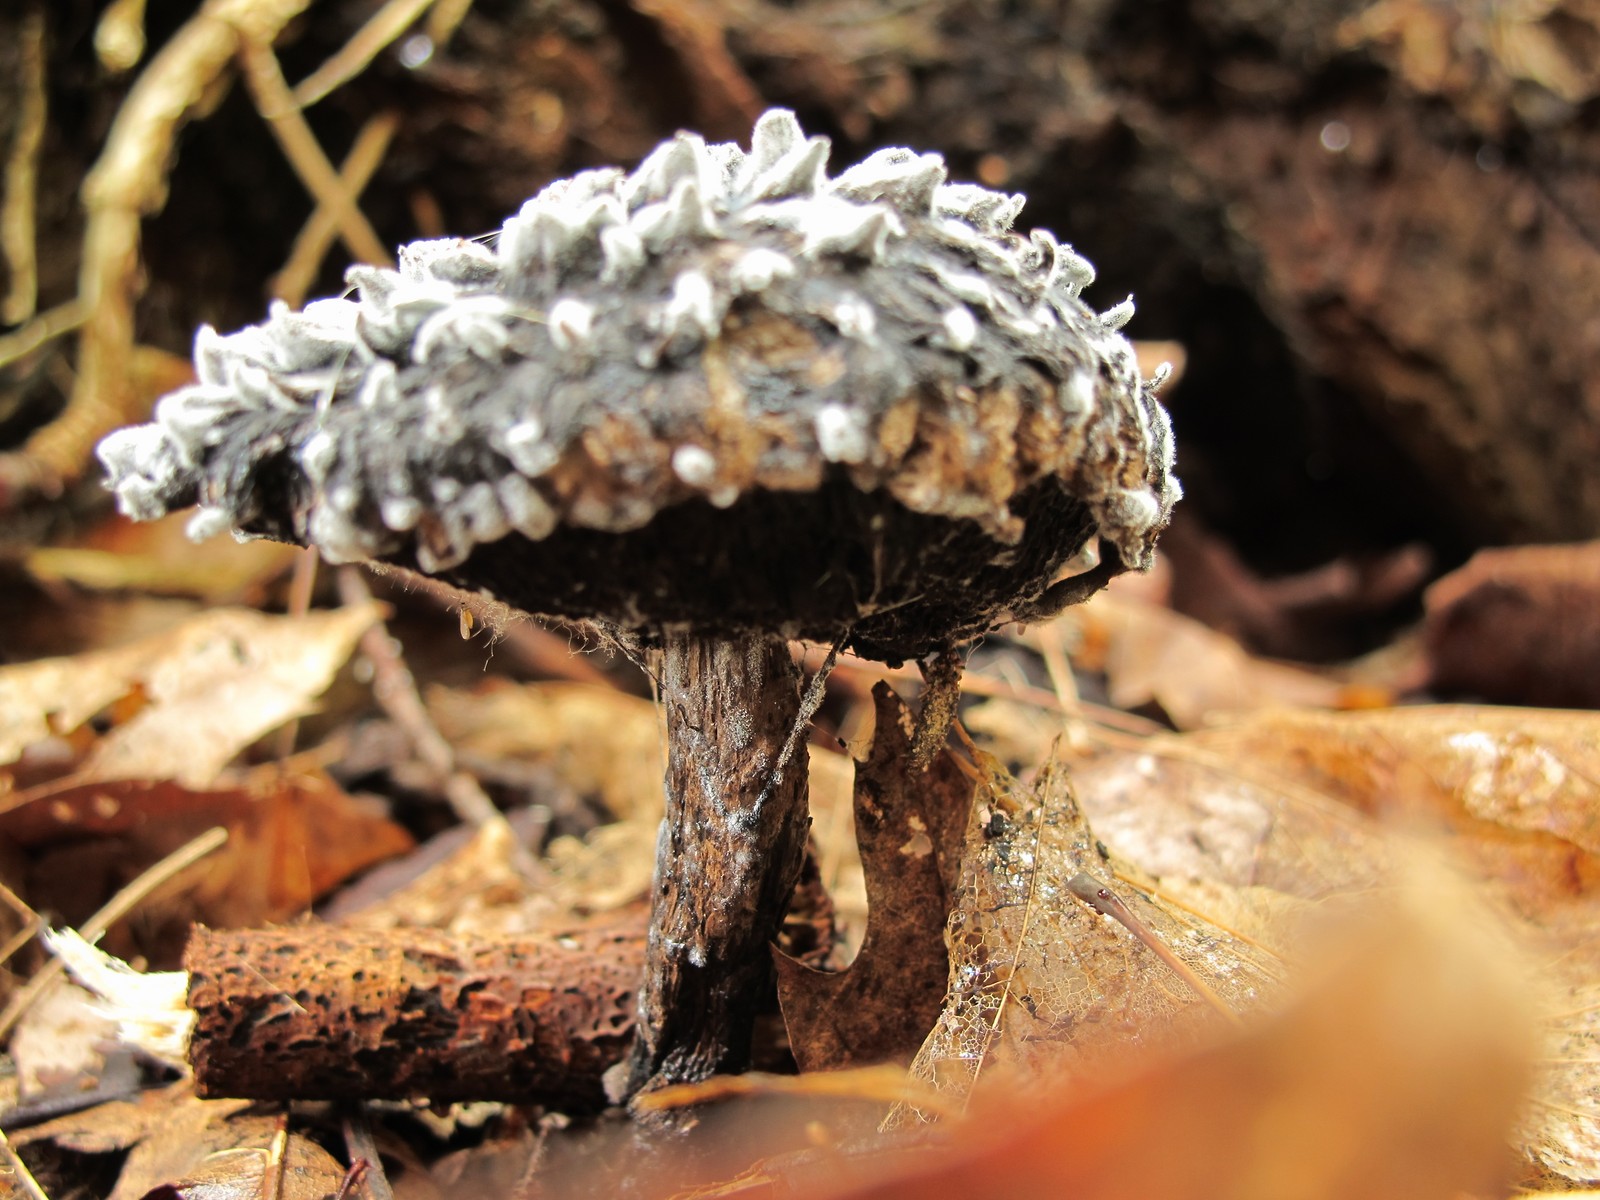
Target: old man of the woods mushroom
711,406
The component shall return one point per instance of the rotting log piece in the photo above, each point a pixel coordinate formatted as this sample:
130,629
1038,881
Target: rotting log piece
320,1012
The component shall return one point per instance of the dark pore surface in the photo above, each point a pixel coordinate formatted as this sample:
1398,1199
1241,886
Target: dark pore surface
820,565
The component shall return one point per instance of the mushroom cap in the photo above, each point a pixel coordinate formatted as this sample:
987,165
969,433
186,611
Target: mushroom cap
723,391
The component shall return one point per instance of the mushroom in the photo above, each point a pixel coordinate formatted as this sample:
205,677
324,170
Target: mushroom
712,406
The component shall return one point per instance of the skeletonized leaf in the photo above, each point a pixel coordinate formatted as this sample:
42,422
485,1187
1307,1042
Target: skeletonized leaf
1037,974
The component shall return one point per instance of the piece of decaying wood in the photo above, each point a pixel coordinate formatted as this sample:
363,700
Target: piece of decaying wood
323,1012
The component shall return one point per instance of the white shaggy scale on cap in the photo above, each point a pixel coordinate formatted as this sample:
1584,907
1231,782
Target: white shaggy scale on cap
716,324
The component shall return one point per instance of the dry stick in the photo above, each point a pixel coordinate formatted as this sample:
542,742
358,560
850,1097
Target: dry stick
30,1185
312,243
446,15
384,26
1108,904
119,37
20,938
301,585
396,691
45,327
32,923
129,182
361,1147
124,902
19,207
277,106
1048,637
885,1083
277,1149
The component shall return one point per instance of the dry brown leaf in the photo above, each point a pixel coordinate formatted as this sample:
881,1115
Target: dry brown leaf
183,1147
294,836
1519,625
1395,1077
208,689
1516,792
1195,674
909,827
206,1153
1518,789
597,740
120,1124
157,557
1038,976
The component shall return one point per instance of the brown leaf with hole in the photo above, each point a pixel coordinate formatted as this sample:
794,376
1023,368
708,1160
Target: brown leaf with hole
909,826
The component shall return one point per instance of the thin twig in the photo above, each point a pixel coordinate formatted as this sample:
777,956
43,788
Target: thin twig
396,691
19,206
29,1185
315,237
446,15
976,684
48,325
277,1152
119,906
32,922
384,26
886,1083
301,584
20,938
361,1147
129,182
119,37
1108,904
1048,639
277,106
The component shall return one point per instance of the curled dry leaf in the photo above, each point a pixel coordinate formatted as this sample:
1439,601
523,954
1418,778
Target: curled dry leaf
1038,976
1519,625
909,826
208,689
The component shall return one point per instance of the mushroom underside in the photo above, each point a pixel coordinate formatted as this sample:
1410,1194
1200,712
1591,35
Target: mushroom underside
823,565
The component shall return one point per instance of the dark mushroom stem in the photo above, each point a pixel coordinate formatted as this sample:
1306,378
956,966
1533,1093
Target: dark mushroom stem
730,852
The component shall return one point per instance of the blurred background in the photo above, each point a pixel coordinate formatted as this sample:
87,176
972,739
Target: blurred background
1368,230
